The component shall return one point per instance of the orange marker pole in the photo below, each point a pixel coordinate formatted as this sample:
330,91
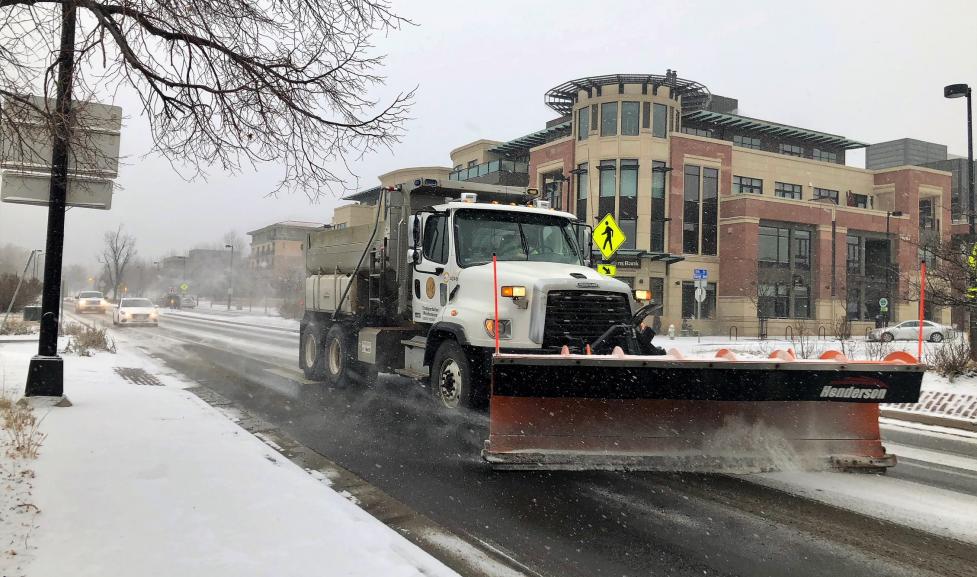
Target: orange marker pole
922,304
495,295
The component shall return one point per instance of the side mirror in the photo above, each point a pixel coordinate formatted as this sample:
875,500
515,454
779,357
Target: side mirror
415,256
415,231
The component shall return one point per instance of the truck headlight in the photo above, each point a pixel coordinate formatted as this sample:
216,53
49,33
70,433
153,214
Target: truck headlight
505,327
642,295
513,291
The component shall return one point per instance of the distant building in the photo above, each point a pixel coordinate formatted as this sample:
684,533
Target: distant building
278,249
769,213
903,152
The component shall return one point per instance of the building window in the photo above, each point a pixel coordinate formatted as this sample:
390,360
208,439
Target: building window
746,141
629,118
553,188
787,190
791,149
926,219
657,207
868,262
628,204
608,119
825,155
472,163
784,271
645,115
747,185
608,188
583,123
593,117
657,287
458,167
583,185
689,303
710,210
825,193
690,210
697,131
858,200
660,125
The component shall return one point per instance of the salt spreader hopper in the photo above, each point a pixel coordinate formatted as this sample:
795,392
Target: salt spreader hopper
666,412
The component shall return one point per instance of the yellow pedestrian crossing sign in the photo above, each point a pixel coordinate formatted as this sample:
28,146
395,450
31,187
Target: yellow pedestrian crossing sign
608,236
607,269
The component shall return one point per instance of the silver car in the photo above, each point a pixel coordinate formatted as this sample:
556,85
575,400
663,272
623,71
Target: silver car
909,331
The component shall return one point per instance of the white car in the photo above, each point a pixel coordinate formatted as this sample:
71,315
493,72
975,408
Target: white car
136,311
91,301
909,331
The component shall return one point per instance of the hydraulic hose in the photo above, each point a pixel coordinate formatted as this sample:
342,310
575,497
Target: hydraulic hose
369,244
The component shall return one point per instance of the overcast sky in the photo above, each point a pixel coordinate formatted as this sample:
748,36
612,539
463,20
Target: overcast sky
871,71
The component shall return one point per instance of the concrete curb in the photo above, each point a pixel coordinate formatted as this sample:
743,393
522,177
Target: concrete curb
930,419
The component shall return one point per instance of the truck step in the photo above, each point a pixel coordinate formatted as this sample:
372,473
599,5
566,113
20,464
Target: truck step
416,341
413,374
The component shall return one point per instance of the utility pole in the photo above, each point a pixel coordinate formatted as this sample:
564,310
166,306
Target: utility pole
230,276
45,376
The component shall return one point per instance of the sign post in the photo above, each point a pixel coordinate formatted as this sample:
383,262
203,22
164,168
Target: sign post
700,276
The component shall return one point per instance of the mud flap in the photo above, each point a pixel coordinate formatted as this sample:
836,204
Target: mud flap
669,413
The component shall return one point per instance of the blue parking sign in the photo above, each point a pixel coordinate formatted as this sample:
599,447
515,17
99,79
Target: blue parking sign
700,274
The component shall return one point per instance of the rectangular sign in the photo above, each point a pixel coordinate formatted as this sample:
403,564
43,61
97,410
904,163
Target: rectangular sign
700,273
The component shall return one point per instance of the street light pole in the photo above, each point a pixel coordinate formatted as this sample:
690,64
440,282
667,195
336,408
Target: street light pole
45,377
230,276
888,264
957,91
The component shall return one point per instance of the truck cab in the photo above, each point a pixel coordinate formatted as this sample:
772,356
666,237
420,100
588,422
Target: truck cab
461,258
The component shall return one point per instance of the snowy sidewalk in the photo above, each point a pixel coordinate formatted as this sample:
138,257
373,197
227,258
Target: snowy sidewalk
147,479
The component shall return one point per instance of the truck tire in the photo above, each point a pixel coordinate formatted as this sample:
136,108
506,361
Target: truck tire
339,359
453,382
310,353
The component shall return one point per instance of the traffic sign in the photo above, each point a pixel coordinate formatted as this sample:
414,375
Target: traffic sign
884,302
608,236
184,287
607,269
700,274
700,294
700,283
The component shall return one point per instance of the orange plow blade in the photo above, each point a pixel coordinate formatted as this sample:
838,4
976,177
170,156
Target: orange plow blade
670,413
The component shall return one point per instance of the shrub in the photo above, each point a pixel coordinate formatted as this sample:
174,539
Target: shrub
842,328
15,326
30,289
951,359
22,428
88,340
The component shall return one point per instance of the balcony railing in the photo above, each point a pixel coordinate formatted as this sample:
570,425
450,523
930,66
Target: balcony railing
485,168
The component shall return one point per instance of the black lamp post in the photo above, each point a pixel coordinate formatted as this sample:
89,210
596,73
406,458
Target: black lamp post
888,267
230,276
959,91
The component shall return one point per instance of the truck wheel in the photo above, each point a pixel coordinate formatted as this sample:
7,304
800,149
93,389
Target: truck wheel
338,359
310,353
887,337
452,380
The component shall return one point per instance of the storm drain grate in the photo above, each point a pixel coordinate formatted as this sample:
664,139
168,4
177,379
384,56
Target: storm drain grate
137,376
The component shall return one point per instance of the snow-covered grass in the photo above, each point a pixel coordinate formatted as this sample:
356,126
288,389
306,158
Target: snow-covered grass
137,479
235,316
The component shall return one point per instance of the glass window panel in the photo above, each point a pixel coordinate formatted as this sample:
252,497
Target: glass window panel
660,124
629,118
608,119
583,123
608,178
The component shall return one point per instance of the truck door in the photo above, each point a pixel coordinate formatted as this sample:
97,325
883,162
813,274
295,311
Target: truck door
430,282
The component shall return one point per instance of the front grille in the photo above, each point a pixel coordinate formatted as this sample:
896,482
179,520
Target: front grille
578,317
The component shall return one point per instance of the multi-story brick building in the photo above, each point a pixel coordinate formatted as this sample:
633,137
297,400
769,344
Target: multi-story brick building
277,249
786,230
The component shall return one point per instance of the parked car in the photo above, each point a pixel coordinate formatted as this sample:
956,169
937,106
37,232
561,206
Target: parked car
909,330
136,311
91,301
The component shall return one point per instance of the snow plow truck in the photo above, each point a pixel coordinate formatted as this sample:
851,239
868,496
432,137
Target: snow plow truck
490,297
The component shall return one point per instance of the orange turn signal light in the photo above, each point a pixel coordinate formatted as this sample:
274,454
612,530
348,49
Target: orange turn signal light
513,291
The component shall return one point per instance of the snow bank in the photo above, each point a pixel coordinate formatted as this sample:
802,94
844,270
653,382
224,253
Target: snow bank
150,480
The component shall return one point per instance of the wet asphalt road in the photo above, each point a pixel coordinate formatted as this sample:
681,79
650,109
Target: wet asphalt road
556,523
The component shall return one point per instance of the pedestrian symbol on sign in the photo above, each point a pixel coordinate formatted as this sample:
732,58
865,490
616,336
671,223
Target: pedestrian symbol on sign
608,236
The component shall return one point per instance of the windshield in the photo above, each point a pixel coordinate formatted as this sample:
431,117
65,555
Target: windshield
136,303
90,295
513,236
